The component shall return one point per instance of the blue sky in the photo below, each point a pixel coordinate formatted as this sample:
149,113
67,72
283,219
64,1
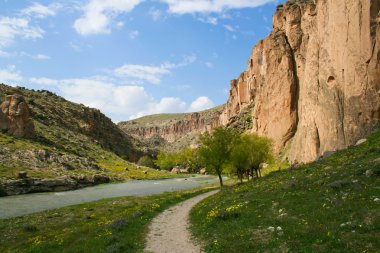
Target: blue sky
131,58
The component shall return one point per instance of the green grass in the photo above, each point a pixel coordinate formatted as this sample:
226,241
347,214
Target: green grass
110,225
325,206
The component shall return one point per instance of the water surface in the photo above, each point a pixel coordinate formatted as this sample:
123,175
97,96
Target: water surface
18,205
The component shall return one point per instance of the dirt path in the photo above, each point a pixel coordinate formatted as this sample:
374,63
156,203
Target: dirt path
168,232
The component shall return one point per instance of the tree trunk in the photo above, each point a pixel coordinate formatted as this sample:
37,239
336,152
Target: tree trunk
251,174
220,179
240,177
257,173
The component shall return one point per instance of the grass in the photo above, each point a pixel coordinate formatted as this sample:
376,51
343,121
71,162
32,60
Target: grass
110,225
332,205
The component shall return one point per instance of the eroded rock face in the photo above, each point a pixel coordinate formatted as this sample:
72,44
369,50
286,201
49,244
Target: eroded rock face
314,82
173,129
15,118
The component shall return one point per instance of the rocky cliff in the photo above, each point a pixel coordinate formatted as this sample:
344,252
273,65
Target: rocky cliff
15,117
313,85
172,131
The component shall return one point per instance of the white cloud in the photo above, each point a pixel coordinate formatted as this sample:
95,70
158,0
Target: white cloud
10,76
156,14
149,73
120,24
229,28
200,104
41,57
4,54
13,28
120,102
133,35
209,65
98,14
209,6
38,10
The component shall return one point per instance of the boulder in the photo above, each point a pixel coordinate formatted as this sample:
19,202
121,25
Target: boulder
15,117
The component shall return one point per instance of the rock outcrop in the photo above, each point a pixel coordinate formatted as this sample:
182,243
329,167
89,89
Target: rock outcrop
173,128
15,117
314,83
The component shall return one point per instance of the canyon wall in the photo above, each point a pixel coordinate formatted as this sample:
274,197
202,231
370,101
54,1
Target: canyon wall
314,83
172,127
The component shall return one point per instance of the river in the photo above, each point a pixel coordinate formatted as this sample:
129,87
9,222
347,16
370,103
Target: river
13,206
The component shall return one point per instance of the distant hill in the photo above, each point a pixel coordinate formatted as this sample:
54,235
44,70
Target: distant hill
172,132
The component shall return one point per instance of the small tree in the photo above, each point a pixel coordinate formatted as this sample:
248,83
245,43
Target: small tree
165,161
146,161
259,151
215,149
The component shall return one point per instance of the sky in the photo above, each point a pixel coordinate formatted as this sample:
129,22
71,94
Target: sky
131,58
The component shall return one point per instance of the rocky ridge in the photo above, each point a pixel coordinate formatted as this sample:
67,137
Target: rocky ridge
172,131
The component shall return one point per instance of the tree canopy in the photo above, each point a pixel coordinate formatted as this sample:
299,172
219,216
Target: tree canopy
215,149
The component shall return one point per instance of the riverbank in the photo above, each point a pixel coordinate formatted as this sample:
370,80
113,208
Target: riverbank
108,225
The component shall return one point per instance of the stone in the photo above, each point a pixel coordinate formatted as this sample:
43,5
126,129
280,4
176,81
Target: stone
15,117
202,171
339,184
22,174
368,173
361,141
176,170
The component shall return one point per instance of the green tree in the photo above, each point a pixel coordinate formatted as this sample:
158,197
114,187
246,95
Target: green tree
165,161
146,161
240,156
259,151
188,158
215,149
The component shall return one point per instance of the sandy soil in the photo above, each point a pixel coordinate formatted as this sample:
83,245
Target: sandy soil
168,232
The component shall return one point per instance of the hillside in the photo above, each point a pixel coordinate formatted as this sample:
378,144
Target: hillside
332,205
73,146
172,132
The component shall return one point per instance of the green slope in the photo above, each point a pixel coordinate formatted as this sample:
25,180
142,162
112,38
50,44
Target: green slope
72,140
332,205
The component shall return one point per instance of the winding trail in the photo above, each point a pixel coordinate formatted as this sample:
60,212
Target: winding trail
168,232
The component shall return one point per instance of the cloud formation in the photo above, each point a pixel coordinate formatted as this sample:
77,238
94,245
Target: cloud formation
97,15
120,102
10,76
200,104
209,6
151,73
14,28
38,10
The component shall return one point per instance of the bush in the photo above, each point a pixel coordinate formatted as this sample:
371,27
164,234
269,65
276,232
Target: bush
146,161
